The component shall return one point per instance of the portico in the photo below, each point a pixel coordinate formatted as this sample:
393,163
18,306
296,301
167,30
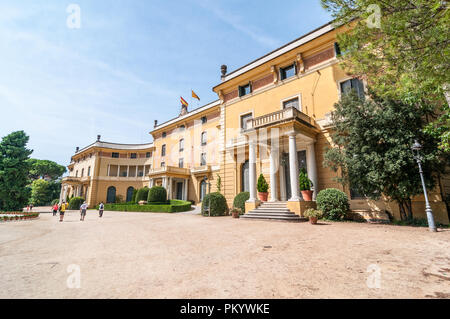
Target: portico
174,179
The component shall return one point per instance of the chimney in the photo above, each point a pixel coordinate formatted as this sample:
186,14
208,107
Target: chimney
77,149
224,70
98,138
156,123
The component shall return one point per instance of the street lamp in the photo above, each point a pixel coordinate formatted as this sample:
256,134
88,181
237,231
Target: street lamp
416,151
208,183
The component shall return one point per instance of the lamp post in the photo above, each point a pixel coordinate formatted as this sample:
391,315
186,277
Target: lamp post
208,183
416,149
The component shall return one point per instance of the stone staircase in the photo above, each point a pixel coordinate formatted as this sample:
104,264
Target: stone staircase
276,211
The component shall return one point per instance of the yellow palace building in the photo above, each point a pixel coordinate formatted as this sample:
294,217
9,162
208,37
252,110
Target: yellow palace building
272,117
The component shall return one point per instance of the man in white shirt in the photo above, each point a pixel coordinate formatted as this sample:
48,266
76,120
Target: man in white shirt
83,209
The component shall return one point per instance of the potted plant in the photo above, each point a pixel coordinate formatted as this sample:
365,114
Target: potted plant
313,215
236,212
305,185
262,187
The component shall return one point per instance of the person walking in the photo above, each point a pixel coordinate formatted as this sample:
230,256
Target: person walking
55,209
83,209
101,207
62,210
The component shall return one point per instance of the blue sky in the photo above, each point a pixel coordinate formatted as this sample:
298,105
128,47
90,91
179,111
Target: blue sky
128,64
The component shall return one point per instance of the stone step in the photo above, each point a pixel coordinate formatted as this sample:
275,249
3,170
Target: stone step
273,218
263,209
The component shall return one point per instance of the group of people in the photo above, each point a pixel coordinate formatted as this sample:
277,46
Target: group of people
62,207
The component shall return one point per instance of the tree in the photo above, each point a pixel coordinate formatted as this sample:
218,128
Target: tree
14,168
373,153
46,168
41,192
402,48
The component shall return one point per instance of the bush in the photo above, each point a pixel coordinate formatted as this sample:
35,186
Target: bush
55,201
304,182
314,213
75,203
142,194
133,198
333,203
262,186
218,204
157,194
240,199
173,206
119,199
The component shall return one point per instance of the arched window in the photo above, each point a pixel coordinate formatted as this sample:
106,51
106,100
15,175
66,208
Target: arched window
130,191
245,186
204,140
202,190
182,145
111,195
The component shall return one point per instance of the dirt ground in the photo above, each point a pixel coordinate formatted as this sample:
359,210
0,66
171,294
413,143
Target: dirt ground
138,255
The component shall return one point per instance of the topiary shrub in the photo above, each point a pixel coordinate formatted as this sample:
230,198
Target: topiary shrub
133,198
218,204
333,203
240,199
157,194
75,203
142,194
262,186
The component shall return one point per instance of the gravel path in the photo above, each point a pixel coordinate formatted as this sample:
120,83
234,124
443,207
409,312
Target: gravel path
139,255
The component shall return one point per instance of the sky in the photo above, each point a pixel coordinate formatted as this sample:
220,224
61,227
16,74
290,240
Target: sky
124,64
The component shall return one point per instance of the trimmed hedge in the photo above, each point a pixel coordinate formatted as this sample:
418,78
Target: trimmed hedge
75,203
240,199
218,203
333,203
142,194
157,194
175,206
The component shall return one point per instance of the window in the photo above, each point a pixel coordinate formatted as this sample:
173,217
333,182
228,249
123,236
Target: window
353,84
245,90
204,120
182,145
288,71
111,195
204,138
181,163
163,164
163,150
82,172
130,192
115,155
182,128
203,159
337,49
292,103
148,155
133,155
76,174
244,119
89,171
164,134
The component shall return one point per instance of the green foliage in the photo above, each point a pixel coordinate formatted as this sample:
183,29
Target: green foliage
133,198
45,169
262,185
304,182
55,201
14,167
142,194
157,194
76,202
119,199
217,204
407,54
219,183
43,192
314,213
333,203
373,152
176,206
240,199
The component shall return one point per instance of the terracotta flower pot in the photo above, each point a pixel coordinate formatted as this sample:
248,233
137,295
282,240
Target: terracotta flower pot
235,214
313,220
307,195
263,196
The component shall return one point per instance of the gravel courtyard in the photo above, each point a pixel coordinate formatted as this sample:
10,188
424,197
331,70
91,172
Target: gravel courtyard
138,255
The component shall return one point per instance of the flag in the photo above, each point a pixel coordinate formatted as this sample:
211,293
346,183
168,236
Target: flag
183,101
195,96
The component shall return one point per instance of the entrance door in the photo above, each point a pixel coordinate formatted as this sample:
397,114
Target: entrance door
179,190
245,185
301,156
111,195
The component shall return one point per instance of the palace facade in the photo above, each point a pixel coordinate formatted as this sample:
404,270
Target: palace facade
272,117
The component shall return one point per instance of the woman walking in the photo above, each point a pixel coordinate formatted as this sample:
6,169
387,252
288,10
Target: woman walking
55,209
62,210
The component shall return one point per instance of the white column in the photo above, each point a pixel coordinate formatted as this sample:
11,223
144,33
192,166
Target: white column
252,170
293,167
169,187
151,183
312,167
61,194
185,189
274,165
283,193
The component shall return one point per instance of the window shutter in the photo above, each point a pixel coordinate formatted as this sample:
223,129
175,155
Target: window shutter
337,49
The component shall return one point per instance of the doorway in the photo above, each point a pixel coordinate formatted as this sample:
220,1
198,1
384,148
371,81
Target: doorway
301,156
179,189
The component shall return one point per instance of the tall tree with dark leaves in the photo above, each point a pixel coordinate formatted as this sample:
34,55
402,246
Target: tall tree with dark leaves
402,47
14,169
373,140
